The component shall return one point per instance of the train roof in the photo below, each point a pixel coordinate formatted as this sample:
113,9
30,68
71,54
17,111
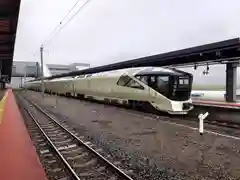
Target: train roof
163,71
128,71
139,71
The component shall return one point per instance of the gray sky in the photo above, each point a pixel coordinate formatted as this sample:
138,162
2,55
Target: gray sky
108,31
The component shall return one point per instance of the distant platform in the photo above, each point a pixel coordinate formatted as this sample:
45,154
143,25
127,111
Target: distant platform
217,104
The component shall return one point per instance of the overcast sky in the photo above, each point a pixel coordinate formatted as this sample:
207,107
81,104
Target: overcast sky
108,31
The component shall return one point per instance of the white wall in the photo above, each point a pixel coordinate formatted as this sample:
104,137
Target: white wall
16,81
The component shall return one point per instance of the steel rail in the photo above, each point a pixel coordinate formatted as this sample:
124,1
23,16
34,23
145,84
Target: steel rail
73,173
117,170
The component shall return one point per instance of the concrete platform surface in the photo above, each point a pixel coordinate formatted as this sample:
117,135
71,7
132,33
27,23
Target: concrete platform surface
18,157
210,103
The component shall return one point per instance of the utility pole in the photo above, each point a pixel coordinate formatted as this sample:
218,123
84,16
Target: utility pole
21,84
42,81
25,76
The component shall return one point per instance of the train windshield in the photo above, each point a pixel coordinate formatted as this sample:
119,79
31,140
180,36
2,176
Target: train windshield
171,86
157,82
183,81
181,88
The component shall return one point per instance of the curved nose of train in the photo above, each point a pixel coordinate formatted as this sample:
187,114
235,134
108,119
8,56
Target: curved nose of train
175,107
181,107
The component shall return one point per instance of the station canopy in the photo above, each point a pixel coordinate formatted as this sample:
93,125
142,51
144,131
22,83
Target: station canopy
228,50
9,11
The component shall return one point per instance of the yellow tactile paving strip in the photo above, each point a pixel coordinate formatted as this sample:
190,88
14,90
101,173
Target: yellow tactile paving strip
2,106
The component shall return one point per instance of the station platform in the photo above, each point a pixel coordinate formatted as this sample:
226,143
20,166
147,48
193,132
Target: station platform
217,104
18,157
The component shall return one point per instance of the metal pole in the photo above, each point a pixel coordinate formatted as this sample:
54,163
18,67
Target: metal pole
42,81
25,76
21,82
201,118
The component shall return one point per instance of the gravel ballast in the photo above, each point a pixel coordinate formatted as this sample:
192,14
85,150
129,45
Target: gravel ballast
163,149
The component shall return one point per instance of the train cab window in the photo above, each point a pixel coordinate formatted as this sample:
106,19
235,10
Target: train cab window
163,78
129,82
163,84
159,83
184,81
162,81
143,79
134,84
123,80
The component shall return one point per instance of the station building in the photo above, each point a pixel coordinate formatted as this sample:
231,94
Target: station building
26,70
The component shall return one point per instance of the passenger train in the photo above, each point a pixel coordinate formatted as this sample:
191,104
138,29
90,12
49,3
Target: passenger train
166,90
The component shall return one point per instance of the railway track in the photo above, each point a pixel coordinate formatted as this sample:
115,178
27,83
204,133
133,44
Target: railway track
79,159
216,122
224,123
212,119
192,117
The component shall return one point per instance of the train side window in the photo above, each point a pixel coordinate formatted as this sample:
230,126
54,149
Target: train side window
134,84
81,76
123,80
163,78
162,81
143,79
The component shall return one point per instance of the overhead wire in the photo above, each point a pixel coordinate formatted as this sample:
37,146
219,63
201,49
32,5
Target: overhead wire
64,25
60,23
51,36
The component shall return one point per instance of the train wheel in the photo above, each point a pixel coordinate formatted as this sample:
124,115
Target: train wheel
132,104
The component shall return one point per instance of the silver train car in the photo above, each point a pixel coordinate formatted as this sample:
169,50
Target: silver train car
166,90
